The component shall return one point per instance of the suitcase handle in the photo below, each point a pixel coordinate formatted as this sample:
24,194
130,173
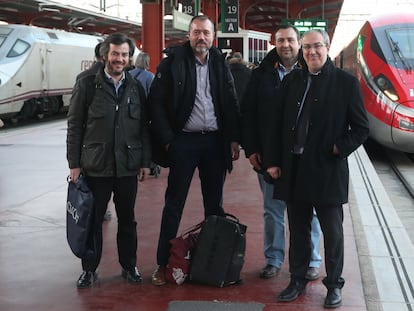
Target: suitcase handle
232,216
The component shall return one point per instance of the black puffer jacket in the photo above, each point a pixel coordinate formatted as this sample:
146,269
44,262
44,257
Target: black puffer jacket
108,136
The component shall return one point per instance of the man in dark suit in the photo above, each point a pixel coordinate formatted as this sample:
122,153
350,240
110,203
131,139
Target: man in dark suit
195,121
321,120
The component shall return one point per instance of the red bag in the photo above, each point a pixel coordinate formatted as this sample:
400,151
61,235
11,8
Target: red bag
178,267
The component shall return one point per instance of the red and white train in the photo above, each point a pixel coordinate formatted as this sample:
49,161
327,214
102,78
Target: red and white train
382,58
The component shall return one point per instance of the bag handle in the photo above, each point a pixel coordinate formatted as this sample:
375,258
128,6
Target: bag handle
192,229
232,216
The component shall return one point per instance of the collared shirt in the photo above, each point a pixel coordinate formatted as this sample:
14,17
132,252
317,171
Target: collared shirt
283,71
203,117
111,80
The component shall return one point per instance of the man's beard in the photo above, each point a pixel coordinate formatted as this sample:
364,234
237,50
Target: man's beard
113,72
201,50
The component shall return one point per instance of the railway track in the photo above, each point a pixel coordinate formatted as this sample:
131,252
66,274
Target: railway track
396,171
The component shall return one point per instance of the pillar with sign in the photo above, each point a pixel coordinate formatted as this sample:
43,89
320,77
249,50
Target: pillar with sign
230,16
190,7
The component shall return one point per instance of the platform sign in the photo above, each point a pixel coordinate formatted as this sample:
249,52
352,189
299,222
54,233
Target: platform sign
303,25
190,7
230,16
180,20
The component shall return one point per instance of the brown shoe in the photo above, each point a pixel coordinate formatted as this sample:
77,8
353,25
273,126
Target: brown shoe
158,277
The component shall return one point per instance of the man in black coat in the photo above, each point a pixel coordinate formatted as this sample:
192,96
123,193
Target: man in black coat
321,120
261,98
195,124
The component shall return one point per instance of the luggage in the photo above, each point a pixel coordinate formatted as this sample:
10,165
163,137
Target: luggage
79,218
178,267
219,254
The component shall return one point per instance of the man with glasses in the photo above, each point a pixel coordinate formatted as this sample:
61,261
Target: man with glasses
320,122
261,97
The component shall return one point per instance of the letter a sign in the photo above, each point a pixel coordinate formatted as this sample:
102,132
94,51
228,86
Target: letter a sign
230,16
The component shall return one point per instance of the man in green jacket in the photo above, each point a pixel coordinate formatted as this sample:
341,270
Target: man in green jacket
108,142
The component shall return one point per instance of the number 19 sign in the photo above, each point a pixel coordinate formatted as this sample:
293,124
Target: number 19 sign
230,16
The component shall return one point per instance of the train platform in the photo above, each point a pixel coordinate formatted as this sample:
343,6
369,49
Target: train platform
39,272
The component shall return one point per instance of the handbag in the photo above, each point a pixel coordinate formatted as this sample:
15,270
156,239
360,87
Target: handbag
178,267
79,218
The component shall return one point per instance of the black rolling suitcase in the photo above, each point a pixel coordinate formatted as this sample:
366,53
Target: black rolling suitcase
219,254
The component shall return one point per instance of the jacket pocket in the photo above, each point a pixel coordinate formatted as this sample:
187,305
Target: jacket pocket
93,156
134,110
134,153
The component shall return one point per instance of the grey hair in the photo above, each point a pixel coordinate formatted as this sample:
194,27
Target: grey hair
142,60
322,32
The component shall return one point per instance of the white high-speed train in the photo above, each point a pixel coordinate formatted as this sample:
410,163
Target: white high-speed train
38,68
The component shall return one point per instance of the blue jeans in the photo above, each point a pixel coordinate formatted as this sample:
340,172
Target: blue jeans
316,235
274,225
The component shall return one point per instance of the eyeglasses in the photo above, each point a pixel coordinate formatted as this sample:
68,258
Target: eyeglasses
316,46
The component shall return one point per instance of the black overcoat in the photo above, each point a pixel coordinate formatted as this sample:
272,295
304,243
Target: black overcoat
337,116
259,103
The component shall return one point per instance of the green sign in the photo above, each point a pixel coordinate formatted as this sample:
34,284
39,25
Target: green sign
190,7
303,25
230,16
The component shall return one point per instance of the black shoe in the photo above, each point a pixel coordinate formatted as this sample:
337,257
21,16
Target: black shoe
269,271
333,298
312,274
293,291
86,279
133,276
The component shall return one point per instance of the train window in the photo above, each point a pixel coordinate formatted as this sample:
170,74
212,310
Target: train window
402,42
4,32
19,47
375,47
52,35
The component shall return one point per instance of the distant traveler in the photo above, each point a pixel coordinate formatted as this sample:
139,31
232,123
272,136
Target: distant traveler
241,74
108,142
320,121
96,66
141,72
195,121
145,77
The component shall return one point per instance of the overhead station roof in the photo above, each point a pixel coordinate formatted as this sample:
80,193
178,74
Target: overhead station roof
266,15
259,15
53,15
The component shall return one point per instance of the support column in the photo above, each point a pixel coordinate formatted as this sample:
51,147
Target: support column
210,8
153,34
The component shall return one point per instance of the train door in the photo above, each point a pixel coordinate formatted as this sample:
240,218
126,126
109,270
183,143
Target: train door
44,66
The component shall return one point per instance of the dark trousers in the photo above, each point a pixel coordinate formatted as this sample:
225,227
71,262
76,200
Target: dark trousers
300,219
125,191
188,152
